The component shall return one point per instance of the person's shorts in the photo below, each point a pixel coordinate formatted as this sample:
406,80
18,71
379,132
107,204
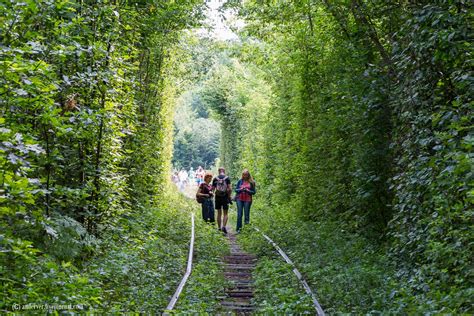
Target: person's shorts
222,202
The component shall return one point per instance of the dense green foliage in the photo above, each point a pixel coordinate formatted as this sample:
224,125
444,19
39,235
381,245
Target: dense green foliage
140,268
196,138
87,91
216,116
197,133
348,273
369,127
237,95
355,117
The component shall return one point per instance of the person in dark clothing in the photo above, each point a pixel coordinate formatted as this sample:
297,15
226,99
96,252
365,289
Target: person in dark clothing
205,191
222,191
245,189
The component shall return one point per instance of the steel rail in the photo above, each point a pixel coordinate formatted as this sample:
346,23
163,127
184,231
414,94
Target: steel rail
308,290
189,267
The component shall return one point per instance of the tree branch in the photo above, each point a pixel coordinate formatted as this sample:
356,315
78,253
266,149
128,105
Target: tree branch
362,19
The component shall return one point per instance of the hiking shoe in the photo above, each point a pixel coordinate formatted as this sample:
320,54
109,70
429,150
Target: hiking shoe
224,230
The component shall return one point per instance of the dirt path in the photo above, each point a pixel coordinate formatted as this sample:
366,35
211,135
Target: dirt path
238,267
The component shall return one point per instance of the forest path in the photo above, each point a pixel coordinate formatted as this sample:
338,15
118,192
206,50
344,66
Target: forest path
238,267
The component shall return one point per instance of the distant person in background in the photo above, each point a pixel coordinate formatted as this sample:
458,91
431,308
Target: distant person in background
196,175
222,191
175,178
200,175
205,191
191,175
245,189
183,179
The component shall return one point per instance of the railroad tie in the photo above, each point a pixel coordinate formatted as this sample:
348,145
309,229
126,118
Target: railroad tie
238,267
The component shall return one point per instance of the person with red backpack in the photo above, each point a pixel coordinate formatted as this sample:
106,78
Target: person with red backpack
222,191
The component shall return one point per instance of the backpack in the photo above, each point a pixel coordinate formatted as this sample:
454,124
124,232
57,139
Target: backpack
221,187
199,199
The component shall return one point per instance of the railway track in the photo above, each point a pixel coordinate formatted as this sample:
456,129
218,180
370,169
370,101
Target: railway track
317,306
238,268
189,267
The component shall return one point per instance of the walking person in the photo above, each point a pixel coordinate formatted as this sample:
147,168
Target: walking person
222,191
199,175
245,189
205,193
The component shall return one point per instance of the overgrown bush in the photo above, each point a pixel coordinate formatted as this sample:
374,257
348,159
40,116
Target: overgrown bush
346,272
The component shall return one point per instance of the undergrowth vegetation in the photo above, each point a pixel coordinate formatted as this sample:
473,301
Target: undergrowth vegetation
286,295
136,266
139,267
347,274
